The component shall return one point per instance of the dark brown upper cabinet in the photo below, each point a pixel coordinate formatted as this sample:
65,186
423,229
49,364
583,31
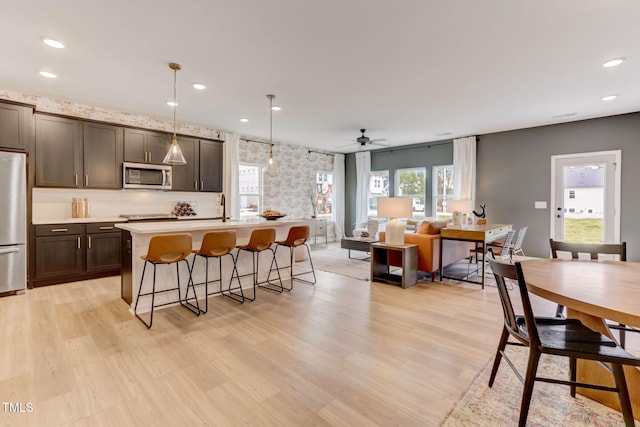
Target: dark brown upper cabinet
102,156
75,154
141,146
58,152
203,171
15,126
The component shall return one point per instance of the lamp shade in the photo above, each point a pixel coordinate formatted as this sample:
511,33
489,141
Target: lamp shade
395,207
463,206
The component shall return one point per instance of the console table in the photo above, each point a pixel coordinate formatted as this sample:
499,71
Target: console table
405,256
480,234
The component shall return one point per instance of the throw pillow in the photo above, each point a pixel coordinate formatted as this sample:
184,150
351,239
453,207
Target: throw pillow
432,227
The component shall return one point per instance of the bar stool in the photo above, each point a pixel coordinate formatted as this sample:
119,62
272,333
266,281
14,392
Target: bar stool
168,249
297,236
217,244
262,239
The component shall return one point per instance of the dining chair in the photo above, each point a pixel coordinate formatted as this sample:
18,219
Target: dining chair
505,250
557,337
594,251
515,247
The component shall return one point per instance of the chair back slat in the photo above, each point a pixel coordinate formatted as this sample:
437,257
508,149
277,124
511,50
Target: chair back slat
506,246
517,246
594,250
513,272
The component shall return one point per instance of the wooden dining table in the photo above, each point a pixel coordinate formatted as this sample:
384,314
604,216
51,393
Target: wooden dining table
593,291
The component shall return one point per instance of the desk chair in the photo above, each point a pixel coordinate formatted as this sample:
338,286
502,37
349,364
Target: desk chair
593,250
515,247
559,337
218,244
297,237
505,247
167,249
261,240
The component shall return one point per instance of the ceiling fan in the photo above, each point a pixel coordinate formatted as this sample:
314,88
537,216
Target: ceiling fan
365,140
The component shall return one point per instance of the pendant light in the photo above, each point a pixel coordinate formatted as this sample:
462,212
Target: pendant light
271,128
174,156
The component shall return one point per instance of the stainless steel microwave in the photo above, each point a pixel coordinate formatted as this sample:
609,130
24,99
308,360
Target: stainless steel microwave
146,176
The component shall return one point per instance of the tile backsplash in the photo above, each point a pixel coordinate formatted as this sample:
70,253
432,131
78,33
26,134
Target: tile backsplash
55,203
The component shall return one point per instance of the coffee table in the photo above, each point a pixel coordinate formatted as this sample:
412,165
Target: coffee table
357,244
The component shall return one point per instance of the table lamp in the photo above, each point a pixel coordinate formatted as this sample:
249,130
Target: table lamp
394,208
458,208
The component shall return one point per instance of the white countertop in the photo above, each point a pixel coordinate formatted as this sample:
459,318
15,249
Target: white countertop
161,227
47,221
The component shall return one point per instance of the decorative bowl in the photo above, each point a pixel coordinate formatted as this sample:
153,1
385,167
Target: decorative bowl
271,217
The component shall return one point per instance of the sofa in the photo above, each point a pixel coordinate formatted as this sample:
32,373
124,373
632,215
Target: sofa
427,237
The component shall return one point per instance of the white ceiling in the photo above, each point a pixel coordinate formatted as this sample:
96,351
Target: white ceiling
409,71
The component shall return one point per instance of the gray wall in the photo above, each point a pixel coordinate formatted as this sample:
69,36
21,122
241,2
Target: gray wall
419,155
514,171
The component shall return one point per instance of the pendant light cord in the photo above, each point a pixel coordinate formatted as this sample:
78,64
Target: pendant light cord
175,103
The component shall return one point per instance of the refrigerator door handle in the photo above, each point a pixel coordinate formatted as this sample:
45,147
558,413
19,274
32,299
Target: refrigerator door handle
9,250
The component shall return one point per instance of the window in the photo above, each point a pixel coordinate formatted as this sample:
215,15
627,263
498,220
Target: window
378,187
324,195
572,194
442,190
411,183
250,183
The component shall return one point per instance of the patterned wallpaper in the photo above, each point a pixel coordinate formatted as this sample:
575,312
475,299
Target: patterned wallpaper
287,181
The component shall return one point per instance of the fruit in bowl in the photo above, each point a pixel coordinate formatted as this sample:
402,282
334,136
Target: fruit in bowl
272,214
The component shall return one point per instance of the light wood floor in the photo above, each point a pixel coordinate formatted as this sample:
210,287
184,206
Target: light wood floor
343,353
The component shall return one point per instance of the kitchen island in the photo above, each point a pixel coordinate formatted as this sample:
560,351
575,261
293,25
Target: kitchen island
135,242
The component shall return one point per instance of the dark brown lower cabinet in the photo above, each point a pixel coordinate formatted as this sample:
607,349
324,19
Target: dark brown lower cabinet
72,252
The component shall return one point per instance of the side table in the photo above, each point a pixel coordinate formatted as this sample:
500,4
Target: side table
405,256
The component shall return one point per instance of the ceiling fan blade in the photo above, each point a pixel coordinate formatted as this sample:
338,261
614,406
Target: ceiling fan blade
347,145
377,144
377,140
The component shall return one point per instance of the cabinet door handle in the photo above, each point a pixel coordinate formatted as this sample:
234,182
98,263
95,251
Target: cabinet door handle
89,242
106,228
201,185
75,178
195,184
149,157
78,242
59,230
86,180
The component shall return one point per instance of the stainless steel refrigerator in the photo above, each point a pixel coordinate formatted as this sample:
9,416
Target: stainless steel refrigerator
13,222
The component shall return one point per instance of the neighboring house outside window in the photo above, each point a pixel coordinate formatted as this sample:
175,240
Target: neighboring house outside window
324,195
442,191
250,183
411,182
378,187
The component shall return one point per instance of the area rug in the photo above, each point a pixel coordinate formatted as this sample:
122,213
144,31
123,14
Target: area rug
551,405
336,260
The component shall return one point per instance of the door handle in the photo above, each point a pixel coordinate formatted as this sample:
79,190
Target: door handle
9,250
195,184
86,180
89,242
201,185
59,230
149,157
79,242
106,228
75,178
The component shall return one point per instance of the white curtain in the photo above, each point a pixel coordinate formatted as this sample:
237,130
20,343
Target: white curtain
338,193
230,185
363,171
464,167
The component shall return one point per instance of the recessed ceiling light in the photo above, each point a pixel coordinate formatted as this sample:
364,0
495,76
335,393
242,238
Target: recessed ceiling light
48,75
276,108
199,86
610,97
172,104
613,62
53,43
243,120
